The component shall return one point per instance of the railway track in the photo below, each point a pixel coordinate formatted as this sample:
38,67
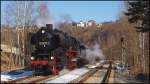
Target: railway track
96,75
107,75
43,79
31,79
95,78
84,77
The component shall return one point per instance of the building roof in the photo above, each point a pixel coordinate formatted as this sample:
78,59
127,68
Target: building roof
91,21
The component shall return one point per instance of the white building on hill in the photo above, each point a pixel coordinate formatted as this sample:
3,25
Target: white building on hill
87,24
81,24
91,23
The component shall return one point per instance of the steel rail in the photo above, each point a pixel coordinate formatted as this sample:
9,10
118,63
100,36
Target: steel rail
107,75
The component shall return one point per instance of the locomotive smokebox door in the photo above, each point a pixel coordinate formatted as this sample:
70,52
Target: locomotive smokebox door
49,27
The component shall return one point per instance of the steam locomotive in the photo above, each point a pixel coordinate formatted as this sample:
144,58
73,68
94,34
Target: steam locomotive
54,50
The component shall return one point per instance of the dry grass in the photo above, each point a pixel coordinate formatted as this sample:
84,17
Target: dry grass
6,64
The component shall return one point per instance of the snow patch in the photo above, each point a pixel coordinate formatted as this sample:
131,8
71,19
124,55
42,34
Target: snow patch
70,76
6,76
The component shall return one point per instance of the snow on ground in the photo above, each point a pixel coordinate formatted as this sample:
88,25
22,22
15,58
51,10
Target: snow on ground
6,76
70,76
98,64
64,71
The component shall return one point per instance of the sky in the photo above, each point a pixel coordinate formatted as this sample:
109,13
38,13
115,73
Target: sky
100,11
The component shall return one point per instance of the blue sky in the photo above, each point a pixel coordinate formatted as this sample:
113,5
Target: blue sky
99,11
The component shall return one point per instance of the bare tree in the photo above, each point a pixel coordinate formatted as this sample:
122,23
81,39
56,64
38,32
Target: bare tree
18,14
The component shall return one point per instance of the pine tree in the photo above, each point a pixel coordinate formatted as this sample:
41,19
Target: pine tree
138,12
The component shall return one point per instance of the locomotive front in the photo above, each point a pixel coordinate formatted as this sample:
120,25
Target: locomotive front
44,41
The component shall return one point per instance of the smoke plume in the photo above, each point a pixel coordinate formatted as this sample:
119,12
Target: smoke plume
42,21
43,17
94,53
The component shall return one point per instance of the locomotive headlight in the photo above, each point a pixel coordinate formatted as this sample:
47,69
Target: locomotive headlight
52,58
32,58
43,31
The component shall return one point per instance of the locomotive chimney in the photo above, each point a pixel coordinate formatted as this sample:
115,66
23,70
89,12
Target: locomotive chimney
49,27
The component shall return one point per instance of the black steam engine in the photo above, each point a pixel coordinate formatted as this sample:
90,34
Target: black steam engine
53,51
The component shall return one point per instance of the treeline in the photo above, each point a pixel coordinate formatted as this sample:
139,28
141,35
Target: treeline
126,40
9,37
119,41
18,20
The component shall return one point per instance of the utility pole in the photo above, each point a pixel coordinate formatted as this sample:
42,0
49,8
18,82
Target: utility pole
17,28
123,57
111,49
24,36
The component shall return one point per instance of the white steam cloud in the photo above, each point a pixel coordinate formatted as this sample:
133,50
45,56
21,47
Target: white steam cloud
42,21
44,16
93,53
